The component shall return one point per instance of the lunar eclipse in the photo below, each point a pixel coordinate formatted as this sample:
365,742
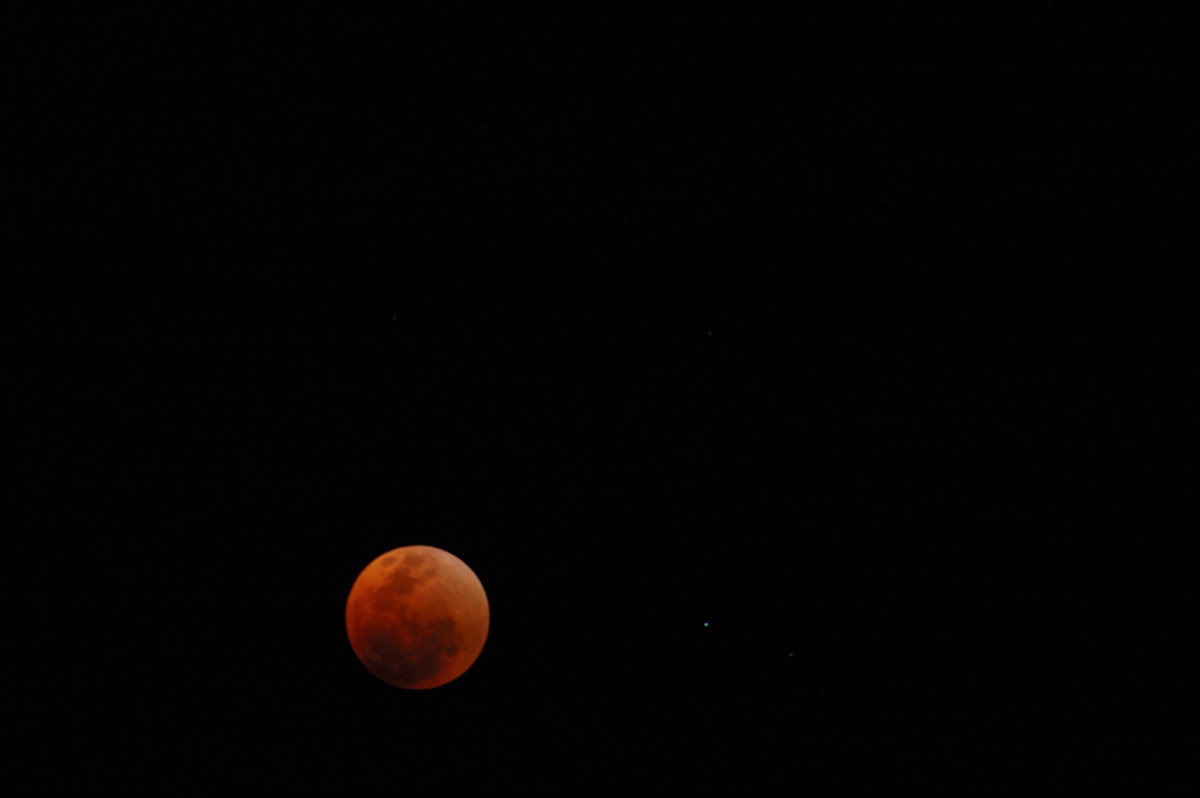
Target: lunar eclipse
417,617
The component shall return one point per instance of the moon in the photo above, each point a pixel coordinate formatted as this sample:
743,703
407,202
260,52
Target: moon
417,617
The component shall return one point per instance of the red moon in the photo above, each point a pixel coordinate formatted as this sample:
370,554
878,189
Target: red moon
417,617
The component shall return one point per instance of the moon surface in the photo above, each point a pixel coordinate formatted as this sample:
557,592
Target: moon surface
417,617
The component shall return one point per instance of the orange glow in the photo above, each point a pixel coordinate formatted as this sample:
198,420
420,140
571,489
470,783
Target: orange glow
417,617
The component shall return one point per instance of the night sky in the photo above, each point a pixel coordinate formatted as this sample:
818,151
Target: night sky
810,402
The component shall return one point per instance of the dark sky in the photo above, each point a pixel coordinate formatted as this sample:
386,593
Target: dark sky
809,402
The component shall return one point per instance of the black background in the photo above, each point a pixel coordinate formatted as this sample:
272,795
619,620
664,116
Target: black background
810,401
